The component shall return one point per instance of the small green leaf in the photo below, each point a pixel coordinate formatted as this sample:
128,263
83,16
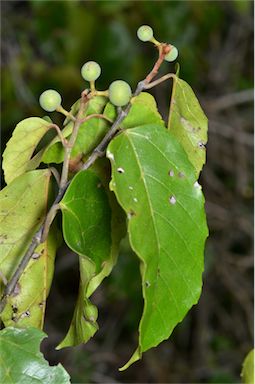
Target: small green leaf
22,362
247,373
21,146
155,184
90,132
188,123
143,111
87,229
27,306
23,205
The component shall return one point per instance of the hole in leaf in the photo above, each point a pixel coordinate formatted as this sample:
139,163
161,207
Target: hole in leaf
130,214
172,200
201,145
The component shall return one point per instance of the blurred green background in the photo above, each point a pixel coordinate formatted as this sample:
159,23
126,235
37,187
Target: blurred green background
44,44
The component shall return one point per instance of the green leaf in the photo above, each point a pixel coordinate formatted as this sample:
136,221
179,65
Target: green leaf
23,205
188,123
21,146
88,230
27,306
22,362
143,111
247,373
155,184
90,132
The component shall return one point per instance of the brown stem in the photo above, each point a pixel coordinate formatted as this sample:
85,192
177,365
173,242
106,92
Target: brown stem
163,51
60,135
160,80
22,265
69,146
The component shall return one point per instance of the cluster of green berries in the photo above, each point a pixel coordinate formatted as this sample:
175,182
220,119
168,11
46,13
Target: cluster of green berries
119,92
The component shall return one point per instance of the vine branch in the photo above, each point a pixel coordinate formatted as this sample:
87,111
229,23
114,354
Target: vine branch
99,151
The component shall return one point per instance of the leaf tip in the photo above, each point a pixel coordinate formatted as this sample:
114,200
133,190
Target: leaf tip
135,357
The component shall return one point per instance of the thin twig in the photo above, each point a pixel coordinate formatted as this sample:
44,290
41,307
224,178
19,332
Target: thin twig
99,151
69,146
60,135
48,221
22,265
96,115
160,80
55,174
163,51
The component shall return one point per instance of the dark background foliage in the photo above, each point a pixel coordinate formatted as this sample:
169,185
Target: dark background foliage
44,44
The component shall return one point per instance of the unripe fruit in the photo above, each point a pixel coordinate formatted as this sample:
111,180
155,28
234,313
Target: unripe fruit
172,55
119,93
145,33
50,100
91,71
91,312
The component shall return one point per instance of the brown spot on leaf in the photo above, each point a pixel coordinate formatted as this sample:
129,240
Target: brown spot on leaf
14,318
16,290
130,214
36,256
201,145
14,308
41,304
25,314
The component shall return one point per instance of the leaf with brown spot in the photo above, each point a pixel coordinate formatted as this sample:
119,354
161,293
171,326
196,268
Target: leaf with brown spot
23,205
27,306
188,123
166,226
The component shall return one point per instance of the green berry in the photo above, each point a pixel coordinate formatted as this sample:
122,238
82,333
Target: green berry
91,312
50,100
145,33
91,71
119,93
172,55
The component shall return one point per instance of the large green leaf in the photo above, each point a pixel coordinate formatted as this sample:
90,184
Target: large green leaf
23,205
21,361
155,184
89,134
20,147
26,307
143,111
247,373
88,230
188,123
